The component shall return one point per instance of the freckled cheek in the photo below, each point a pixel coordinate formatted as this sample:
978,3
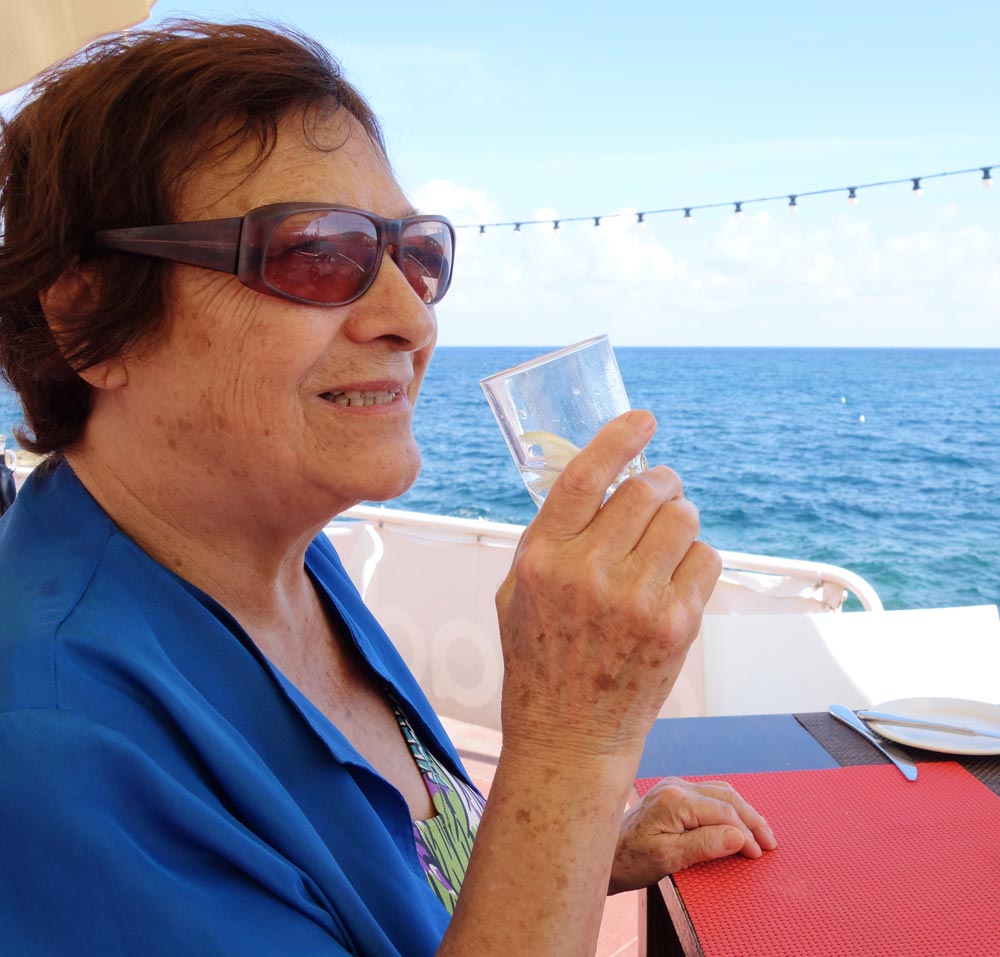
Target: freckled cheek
249,384
233,372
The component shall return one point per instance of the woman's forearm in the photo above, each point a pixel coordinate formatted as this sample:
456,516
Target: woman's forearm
538,876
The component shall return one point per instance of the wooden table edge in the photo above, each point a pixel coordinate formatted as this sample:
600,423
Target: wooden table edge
661,911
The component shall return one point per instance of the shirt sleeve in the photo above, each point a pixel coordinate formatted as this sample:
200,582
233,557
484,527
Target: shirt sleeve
103,853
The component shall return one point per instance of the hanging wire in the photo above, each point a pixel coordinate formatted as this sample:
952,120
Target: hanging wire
793,202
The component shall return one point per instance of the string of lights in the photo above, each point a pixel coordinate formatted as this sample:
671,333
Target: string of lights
792,199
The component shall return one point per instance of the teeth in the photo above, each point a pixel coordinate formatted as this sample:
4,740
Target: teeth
355,399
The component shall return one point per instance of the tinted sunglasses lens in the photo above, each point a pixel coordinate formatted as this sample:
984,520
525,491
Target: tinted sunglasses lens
425,257
322,256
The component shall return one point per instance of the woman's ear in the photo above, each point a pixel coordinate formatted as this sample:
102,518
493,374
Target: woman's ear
75,291
112,374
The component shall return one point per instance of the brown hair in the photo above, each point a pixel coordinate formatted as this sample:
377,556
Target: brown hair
105,140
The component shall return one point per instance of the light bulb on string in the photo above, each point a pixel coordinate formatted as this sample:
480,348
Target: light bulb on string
853,198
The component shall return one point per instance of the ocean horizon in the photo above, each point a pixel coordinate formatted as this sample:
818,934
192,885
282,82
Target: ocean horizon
882,460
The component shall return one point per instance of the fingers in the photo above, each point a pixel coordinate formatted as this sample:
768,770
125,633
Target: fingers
710,803
578,493
707,843
649,511
697,574
679,823
723,791
695,809
648,514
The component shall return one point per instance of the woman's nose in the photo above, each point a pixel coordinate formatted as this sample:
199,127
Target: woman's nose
391,308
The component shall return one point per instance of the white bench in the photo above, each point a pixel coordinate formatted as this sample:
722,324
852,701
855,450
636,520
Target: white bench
764,664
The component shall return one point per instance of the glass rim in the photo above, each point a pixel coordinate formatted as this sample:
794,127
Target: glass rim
543,359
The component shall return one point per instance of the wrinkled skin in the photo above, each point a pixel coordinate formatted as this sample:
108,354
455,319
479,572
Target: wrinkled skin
679,823
596,617
601,604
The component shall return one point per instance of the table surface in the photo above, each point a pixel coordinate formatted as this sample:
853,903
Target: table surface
691,747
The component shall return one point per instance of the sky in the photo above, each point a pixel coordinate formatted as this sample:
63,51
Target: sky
551,109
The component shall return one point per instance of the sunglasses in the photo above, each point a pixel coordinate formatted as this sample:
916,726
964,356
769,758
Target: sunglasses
306,252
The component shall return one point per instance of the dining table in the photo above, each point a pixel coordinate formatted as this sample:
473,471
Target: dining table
868,863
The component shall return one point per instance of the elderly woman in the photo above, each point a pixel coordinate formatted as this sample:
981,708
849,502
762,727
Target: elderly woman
209,746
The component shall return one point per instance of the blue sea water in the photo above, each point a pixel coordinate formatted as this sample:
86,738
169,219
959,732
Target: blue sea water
771,446
884,461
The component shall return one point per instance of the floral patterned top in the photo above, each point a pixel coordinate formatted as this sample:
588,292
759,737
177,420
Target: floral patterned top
444,841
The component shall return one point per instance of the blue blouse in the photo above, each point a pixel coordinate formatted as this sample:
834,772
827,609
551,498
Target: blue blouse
164,790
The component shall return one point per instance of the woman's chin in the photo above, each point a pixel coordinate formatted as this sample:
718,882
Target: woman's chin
387,493
389,484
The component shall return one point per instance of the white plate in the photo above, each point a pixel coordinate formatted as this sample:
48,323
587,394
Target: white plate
975,714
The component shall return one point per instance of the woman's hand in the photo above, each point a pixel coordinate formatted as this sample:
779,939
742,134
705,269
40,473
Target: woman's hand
601,604
679,823
596,617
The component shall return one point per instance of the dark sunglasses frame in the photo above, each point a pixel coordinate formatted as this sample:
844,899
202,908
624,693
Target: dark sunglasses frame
239,245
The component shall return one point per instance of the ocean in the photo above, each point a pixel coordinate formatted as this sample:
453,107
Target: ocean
883,461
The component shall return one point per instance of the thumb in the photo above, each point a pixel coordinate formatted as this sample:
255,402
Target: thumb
706,843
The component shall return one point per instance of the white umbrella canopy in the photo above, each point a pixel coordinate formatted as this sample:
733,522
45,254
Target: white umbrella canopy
37,33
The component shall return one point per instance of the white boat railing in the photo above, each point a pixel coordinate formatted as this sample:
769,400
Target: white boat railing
751,584
431,581
775,578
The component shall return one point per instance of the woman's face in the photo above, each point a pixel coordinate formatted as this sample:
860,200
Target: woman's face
244,382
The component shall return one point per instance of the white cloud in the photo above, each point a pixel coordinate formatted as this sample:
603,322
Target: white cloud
768,279
460,204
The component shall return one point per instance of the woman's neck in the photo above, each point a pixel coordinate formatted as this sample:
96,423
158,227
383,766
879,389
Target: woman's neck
223,543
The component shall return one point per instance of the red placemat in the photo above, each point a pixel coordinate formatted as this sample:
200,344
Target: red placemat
867,865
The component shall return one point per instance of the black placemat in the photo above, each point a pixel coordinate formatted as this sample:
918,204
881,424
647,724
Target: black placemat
848,748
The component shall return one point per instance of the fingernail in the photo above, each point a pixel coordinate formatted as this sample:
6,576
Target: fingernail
642,420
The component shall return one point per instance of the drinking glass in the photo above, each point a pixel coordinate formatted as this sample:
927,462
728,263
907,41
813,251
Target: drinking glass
549,407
